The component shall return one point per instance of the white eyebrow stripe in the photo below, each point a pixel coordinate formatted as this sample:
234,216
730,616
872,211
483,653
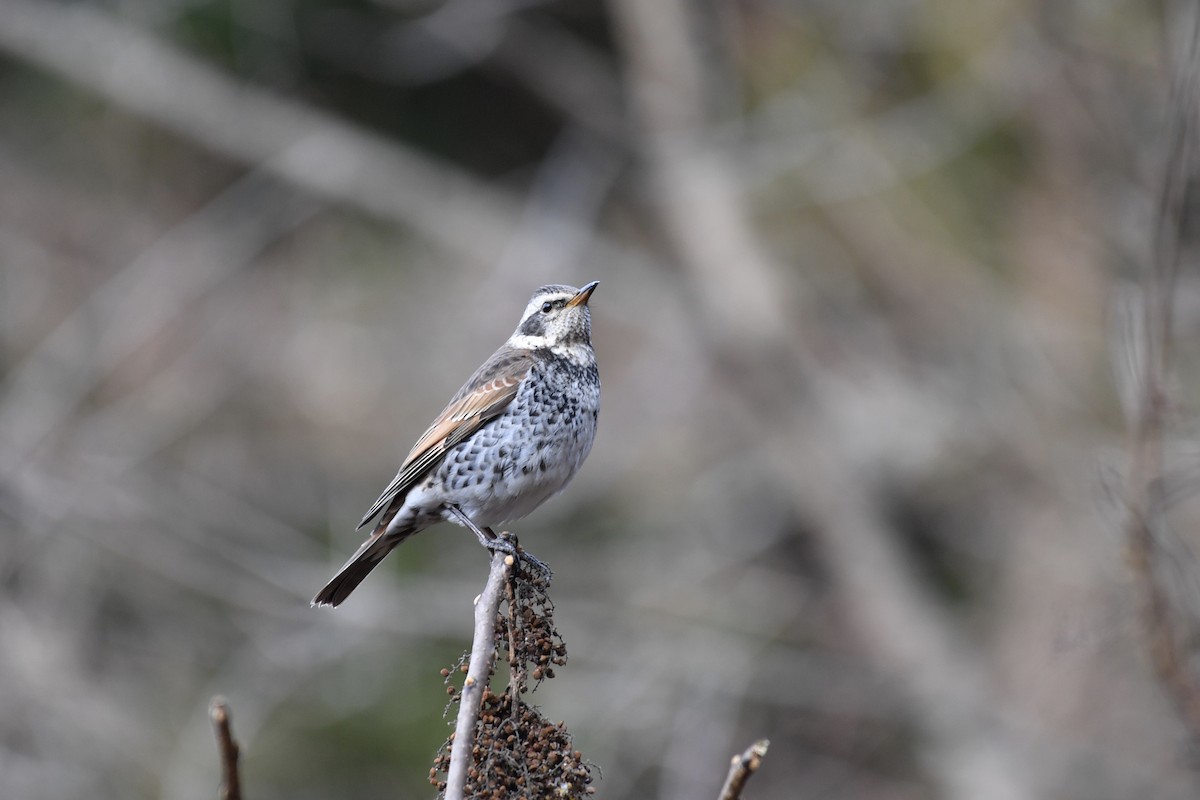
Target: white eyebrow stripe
535,305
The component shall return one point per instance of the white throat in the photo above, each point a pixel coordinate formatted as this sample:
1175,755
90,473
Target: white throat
577,351
520,341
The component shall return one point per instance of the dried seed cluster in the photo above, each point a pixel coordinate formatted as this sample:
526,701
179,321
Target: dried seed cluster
528,635
518,753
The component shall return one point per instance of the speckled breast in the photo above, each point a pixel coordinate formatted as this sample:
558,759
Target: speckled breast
531,451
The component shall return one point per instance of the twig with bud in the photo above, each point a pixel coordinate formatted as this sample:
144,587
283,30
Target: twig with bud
227,746
742,768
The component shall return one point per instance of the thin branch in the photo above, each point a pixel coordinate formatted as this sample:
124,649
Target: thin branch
483,650
1146,507
742,768
231,785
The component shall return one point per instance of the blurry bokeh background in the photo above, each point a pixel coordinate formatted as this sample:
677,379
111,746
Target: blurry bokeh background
853,488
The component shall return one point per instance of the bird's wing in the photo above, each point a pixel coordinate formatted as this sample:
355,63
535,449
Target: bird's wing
484,396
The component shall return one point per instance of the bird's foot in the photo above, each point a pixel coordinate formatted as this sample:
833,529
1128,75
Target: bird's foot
506,542
503,543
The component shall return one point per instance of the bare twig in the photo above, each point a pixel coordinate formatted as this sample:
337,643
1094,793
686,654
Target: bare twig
1146,508
231,785
742,768
483,650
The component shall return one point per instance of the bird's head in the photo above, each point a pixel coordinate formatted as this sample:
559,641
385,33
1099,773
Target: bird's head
556,317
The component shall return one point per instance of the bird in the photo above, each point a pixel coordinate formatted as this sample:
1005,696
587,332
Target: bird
512,437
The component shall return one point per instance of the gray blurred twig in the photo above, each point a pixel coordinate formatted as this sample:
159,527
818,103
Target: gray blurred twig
139,303
1151,355
227,746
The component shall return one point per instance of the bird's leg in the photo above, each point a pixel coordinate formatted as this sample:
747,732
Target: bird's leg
505,543
486,536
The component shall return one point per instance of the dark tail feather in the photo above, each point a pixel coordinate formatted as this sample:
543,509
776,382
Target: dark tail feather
351,574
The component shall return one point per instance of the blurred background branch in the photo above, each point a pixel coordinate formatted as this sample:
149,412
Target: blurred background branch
1168,631
769,372
315,151
850,485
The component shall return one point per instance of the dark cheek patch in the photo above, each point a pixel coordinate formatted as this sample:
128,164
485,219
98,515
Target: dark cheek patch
533,326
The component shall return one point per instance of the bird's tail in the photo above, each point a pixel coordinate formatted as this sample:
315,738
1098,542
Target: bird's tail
373,550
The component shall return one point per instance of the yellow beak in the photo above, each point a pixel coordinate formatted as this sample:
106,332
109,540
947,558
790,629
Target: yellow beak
581,298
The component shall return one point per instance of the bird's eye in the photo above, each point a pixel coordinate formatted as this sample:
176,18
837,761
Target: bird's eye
546,306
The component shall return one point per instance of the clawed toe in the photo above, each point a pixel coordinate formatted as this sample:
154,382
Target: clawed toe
536,564
507,543
504,543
